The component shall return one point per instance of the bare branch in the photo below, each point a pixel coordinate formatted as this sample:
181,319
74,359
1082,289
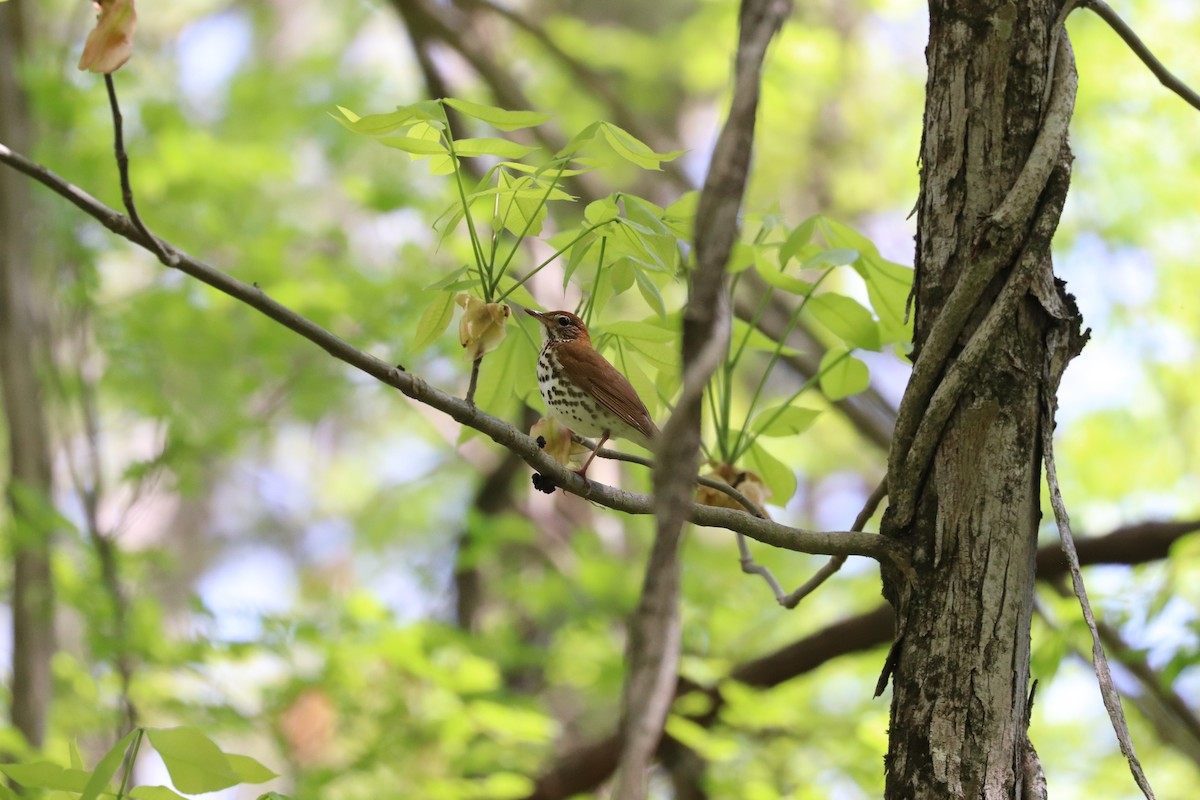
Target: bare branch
123,170
1139,48
1112,699
654,629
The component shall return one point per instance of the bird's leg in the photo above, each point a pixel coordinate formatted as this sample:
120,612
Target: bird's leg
583,472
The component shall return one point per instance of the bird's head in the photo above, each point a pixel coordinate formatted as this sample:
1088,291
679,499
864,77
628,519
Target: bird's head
561,326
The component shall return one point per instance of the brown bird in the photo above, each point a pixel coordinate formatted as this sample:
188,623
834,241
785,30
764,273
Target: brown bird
583,390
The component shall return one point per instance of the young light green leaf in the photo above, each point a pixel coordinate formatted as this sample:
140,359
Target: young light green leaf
846,319
434,321
842,374
500,118
741,257
413,145
249,770
841,235
798,238
45,775
634,150
650,293
450,281
155,793
501,148
778,477
76,759
193,761
888,286
108,766
836,257
600,211
377,124
578,251
784,421
620,275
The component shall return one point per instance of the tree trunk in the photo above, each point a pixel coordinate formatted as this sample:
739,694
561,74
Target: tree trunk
21,342
960,667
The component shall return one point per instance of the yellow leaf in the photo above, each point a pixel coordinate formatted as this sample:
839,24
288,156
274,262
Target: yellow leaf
110,44
481,329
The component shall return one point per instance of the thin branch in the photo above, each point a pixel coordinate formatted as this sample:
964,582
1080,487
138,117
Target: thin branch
123,169
1112,699
1139,48
504,434
475,365
654,633
834,564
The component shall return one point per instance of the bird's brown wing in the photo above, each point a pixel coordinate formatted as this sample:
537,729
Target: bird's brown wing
591,372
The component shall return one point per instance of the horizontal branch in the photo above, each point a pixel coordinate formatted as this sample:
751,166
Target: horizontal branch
586,767
763,530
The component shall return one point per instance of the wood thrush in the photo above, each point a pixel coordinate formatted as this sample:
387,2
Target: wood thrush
583,390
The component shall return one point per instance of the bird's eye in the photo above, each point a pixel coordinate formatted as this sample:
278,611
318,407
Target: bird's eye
564,321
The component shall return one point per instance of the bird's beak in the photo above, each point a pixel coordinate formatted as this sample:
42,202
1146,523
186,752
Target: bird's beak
538,315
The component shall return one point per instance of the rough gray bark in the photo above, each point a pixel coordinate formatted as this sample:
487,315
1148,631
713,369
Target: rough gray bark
960,666
28,479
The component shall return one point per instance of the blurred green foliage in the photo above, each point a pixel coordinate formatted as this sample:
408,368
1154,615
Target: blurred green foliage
292,536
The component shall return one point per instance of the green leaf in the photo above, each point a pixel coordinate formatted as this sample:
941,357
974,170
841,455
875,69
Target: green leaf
380,124
798,238
836,257
500,118
76,759
45,775
784,421
415,146
780,280
502,148
778,477
842,374
249,770
634,150
711,746
888,287
846,319
274,796
194,762
155,793
578,252
620,274
600,211
434,321
108,766
650,293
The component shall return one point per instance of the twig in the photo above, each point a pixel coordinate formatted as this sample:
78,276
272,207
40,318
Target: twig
834,564
470,398
123,169
1112,699
504,434
1139,48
